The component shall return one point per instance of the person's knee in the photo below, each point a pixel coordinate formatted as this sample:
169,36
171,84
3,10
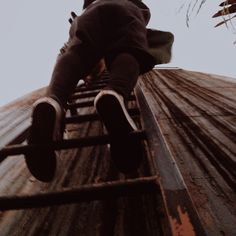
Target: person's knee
125,62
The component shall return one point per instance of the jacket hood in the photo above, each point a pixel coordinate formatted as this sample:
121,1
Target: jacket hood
138,3
144,8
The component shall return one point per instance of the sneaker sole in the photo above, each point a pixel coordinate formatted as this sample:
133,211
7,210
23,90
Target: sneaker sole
42,163
113,116
126,152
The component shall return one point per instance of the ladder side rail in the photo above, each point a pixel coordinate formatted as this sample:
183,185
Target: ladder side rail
180,210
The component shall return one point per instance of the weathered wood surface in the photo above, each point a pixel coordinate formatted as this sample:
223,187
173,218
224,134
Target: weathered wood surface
196,114
133,215
15,118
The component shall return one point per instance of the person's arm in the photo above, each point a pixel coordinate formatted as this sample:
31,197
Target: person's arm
96,72
65,46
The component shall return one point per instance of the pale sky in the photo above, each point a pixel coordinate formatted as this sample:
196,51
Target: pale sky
33,31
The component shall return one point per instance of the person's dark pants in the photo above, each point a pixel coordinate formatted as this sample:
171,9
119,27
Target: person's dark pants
123,71
115,31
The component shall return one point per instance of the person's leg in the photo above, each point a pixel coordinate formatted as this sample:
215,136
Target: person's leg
126,151
72,66
48,112
83,51
124,72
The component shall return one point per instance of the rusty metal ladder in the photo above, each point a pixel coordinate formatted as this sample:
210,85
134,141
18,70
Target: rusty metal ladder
168,183
83,193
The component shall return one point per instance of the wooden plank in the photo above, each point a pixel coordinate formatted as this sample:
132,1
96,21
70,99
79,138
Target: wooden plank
182,215
130,215
15,118
195,113
196,117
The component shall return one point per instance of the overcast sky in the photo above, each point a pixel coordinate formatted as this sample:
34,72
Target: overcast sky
33,31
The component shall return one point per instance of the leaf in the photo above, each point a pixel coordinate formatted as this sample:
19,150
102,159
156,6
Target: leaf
226,11
225,21
227,2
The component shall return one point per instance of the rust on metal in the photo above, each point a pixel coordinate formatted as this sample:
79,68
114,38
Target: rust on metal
94,117
180,210
191,148
196,118
85,193
18,149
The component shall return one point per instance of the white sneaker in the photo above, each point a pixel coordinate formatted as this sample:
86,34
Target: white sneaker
126,152
47,118
111,107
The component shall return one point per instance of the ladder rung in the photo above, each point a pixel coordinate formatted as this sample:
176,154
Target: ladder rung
92,94
90,88
80,104
105,75
95,116
90,103
81,118
85,193
63,144
84,95
93,84
99,81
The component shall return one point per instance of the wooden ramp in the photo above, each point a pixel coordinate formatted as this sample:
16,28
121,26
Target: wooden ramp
185,186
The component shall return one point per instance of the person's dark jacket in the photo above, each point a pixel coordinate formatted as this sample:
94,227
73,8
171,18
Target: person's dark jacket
159,42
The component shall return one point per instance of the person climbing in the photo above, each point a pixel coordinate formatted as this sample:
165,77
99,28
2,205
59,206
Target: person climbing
109,34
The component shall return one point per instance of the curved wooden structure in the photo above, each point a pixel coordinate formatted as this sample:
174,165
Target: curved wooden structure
196,117
190,151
